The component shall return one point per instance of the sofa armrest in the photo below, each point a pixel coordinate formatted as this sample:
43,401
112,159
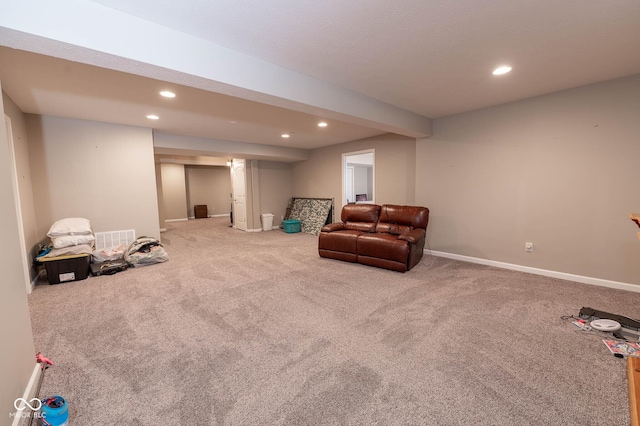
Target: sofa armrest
336,226
413,236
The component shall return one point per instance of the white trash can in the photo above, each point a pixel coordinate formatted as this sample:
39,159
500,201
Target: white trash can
267,221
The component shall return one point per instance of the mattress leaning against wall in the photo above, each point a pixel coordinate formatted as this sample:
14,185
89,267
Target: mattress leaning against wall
313,213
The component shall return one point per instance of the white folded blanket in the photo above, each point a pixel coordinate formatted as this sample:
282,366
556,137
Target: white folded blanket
65,251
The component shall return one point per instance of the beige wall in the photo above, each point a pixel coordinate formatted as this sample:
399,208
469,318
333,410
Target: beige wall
561,171
159,193
23,168
321,175
252,180
174,192
17,356
275,188
208,185
104,172
268,190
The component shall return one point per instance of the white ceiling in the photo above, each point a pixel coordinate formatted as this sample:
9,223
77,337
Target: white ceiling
375,65
46,85
432,57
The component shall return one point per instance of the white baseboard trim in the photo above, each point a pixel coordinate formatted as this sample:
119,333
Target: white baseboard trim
255,230
219,215
177,220
29,393
163,229
553,274
39,275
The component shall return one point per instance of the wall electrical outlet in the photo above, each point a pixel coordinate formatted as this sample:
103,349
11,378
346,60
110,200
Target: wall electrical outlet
528,247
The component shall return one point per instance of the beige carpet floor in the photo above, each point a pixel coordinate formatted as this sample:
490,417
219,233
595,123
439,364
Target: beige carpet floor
256,329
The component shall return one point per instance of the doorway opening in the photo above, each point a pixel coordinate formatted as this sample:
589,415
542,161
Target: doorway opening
358,177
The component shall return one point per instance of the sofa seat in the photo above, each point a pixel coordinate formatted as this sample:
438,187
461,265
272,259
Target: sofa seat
388,236
383,246
342,245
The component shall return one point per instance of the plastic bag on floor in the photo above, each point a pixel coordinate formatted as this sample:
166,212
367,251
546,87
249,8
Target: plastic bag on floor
109,254
145,251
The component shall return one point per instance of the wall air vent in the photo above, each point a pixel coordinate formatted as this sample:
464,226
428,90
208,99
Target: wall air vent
113,239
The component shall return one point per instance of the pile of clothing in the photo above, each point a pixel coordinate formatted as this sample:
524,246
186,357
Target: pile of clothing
141,252
145,251
73,237
108,254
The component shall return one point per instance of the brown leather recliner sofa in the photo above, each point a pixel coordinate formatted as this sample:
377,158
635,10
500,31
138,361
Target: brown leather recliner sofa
387,236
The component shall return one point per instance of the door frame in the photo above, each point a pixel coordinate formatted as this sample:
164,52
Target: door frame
16,195
345,156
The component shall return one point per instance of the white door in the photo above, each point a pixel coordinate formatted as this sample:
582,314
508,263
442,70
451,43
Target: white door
238,183
349,184
16,193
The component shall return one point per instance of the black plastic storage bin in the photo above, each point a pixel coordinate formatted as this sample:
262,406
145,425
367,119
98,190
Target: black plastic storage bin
67,269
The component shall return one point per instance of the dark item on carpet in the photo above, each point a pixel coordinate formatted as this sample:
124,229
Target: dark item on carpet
592,314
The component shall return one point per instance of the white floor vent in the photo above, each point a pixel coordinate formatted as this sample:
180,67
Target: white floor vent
112,239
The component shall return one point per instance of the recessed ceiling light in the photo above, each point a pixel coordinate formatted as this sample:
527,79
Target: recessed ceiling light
285,135
167,94
502,70
322,124
152,117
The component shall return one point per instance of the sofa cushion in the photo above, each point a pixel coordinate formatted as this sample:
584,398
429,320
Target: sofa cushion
383,246
360,213
360,217
409,216
361,226
332,227
344,241
392,228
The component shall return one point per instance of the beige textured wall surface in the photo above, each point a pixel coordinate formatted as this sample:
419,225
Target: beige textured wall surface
174,191
208,185
23,168
252,180
321,175
104,172
160,196
17,357
275,188
560,170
